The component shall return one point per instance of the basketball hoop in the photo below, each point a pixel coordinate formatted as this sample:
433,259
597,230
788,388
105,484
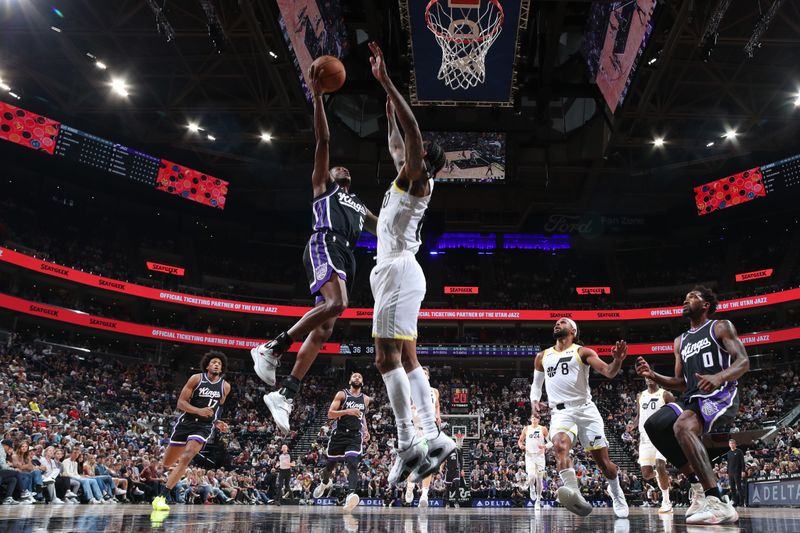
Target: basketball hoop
459,439
465,31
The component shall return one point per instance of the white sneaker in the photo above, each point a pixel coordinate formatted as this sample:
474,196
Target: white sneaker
265,362
70,494
423,501
92,501
409,461
620,505
666,507
573,501
322,488
57,501
280,407
715,511
120,492
409,492
439,449
698,499
137,491
351,502
26,495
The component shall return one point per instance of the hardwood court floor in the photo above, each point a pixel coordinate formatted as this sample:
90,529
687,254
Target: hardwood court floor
291,519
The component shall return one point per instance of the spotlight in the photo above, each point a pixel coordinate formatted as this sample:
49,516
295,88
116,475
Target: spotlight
211,137
99,64
266,137
15,95
797,101
55,29
652,61
194,127
710,144
730,135
273,55
4,86
119,86
658,142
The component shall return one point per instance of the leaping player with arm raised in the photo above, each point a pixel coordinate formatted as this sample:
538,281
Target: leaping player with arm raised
564,371
339,217
398,287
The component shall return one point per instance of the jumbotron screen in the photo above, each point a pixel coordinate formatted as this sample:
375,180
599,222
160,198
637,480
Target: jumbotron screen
747,185
472,157
46,135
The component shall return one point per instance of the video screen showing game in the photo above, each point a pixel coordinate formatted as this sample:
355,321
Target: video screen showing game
472,157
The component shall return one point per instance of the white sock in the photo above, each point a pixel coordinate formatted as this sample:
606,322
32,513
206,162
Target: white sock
399,391
539,484
421,394
664,494
616,490
570,480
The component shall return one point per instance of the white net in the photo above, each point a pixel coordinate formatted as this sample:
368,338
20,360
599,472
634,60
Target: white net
465,36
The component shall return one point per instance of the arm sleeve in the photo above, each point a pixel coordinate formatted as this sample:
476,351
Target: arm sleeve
536,386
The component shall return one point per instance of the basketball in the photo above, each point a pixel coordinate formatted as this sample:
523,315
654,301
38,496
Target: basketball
333,73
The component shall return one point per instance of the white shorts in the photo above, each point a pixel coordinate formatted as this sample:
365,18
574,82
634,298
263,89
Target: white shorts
398,287
648,454
583,422
534,465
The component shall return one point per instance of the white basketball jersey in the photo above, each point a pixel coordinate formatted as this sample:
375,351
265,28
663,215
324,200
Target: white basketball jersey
566,377
533,439
649,404
400,221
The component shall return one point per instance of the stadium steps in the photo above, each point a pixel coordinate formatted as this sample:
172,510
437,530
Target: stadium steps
309,437
620,457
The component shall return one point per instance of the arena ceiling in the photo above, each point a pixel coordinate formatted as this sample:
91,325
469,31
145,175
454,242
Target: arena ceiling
688,90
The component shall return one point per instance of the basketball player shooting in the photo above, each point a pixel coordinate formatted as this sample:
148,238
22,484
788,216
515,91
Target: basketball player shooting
648,402
398,287
709,359
339,217
564,371
200,404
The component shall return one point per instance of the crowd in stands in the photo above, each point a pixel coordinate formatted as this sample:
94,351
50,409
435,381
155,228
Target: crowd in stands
81,427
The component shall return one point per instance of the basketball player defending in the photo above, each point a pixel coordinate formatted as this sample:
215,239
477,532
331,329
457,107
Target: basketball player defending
200,404
426,483
564,370
534,441
339,217
348,409
649,401
709,358
398,287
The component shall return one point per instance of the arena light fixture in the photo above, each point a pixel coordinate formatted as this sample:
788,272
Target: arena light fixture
4,85
797,100
55,29
658,142
211,137
193,127
119,86
709,144
15,95
99,64
730,134
266,137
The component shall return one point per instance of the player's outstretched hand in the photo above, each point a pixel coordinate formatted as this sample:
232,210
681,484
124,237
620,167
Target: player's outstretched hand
222,426
378,63
620,350
708,382
315,80
643,369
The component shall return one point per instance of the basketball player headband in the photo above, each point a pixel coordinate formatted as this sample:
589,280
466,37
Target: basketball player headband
571,323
